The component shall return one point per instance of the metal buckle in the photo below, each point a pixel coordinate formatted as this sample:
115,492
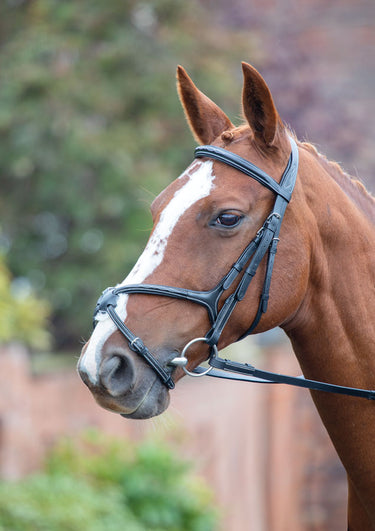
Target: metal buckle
136,345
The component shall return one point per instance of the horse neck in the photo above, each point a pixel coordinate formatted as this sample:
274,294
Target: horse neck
334,321
337,312
333,332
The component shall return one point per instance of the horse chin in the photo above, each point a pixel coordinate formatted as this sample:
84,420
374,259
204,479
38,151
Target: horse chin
148,410
142,405
154,403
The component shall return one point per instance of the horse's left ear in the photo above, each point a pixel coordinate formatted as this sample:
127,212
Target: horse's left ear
207,121
259,108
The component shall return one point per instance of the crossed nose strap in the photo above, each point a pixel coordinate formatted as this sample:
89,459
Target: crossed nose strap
106,304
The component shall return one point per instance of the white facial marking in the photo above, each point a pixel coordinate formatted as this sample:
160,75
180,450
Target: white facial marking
199,185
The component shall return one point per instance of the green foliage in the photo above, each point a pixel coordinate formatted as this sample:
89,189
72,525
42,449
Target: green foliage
62,503
90,130
99,484
23,317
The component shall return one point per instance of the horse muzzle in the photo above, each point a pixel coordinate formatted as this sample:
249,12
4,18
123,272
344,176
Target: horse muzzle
126,385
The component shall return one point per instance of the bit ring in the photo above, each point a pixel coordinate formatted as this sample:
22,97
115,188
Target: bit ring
183,355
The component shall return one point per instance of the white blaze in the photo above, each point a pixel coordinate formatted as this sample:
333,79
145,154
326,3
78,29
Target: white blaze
199,184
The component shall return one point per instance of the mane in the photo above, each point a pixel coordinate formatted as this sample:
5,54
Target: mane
352,187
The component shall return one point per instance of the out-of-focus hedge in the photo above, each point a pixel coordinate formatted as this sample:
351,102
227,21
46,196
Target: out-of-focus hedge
101,484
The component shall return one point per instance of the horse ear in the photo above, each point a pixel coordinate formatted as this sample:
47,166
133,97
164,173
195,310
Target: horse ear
258,107
207,121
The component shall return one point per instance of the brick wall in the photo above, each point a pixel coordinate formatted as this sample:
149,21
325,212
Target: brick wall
262,448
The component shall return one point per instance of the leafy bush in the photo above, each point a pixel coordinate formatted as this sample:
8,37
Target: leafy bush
23,317
105,484
62,503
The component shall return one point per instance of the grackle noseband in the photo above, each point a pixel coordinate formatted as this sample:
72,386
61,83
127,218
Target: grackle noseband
264,243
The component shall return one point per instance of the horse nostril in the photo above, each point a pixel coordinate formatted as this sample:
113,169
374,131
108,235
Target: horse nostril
117,374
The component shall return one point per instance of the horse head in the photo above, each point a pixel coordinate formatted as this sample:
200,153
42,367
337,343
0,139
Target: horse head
203,221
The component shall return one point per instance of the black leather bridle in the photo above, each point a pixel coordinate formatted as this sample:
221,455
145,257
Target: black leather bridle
264,243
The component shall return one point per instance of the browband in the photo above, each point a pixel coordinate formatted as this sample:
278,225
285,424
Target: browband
248,168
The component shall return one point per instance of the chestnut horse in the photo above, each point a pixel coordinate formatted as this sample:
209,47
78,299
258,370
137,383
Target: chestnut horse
320,294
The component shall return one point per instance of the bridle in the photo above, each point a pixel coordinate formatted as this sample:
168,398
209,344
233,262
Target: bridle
264,243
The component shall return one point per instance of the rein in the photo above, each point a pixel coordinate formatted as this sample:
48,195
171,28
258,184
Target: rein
264,243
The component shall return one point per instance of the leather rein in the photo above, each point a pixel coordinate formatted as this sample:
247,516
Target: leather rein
264,243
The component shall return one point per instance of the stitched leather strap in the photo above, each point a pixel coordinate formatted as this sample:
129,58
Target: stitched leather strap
244,166
106,304
231,370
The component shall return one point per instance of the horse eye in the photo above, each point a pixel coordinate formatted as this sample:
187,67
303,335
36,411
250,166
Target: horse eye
228,220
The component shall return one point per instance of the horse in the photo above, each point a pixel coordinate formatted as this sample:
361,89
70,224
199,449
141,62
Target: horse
195,288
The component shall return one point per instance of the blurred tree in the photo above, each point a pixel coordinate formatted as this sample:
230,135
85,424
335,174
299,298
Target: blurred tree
90,130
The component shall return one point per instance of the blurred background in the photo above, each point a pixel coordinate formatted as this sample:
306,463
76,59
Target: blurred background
90,131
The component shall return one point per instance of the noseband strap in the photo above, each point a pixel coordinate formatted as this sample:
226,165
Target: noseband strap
266,240
106,304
